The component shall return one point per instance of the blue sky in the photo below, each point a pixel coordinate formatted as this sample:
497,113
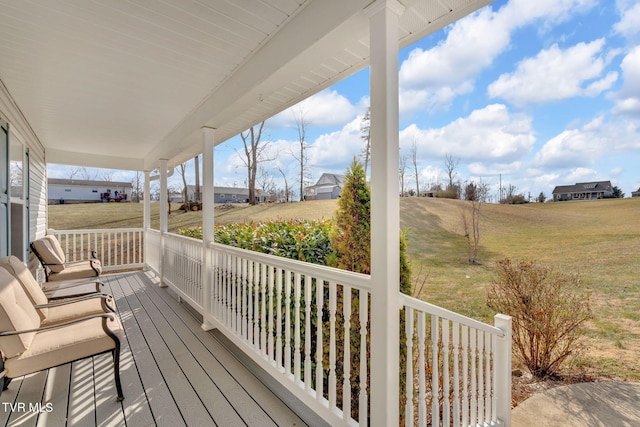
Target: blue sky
542,93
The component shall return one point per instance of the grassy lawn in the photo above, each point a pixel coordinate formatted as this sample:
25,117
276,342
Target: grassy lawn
600,240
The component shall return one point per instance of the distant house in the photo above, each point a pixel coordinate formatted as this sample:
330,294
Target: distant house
328,187
85,191
222,195
635,193
583,191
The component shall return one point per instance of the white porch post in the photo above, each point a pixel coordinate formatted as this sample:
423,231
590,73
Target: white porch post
502,373
208,222
385,212
146,213
164,215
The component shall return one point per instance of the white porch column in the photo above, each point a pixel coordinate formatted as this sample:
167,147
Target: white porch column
385,212
208,222
146,213
164,215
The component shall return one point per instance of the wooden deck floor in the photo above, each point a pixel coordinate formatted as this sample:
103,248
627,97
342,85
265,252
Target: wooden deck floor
173,374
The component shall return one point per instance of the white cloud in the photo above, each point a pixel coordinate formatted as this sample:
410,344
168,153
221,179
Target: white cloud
495,168
582,175
432,78
629,97
488,134
333,152
628,24
556,74
326,108
572,147
545,181
616,172
590,145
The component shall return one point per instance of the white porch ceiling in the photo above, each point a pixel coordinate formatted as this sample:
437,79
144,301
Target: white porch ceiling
123,83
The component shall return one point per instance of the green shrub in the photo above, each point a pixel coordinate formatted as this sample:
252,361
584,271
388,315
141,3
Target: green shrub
548,309
303,240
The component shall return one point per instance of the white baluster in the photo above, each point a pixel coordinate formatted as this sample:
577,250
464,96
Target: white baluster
263,320
465,375
332,345
487,372
456,374
408,330
474,390
346,380
319,339
364,323
481,381
296,323
278,323
270,314
422,378
435,374
287,322
446,408
250,301
307,333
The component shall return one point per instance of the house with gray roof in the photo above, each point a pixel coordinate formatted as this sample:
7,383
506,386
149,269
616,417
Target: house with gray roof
635,193
583,191
328,187
222,195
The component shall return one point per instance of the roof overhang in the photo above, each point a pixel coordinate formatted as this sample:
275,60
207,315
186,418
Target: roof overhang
124,84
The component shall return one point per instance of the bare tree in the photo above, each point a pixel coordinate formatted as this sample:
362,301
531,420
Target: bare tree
286,184
301,156
107,176
471,227
185,188
414,159
450,165
482,191
265,181
253,154
511,196
154,190
15,174
136,183
365,135
402,170
91,175
73,172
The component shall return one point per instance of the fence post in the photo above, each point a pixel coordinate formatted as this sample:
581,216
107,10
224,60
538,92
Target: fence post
502,370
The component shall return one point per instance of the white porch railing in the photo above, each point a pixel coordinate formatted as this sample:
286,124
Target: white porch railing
289,317
460,370
182,268
117,249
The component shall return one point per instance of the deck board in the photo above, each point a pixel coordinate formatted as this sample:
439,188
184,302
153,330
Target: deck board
173,373
189,330
56,393
147,398
243,386
222,412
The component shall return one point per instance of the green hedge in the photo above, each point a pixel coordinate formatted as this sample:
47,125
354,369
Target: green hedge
304,240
